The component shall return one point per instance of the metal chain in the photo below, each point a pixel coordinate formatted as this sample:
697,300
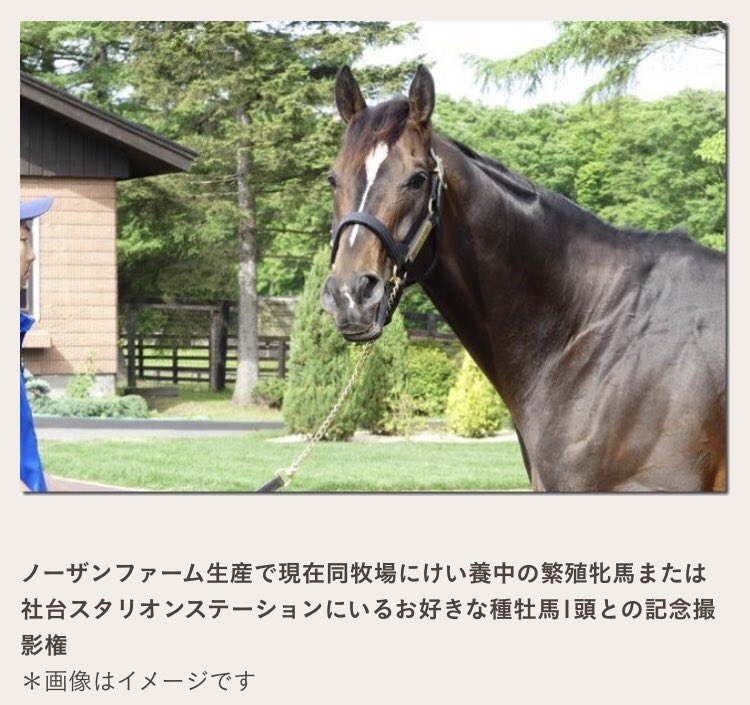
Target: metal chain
287,474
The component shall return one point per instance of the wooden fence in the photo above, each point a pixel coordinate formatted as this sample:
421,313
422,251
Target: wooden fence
173,343
190,343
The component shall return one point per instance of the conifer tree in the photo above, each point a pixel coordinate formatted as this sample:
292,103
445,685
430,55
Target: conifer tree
319,363
377,398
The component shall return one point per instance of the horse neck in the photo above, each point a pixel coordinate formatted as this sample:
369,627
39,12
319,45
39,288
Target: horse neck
499,280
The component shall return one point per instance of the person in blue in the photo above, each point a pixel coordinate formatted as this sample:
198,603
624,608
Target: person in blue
32,473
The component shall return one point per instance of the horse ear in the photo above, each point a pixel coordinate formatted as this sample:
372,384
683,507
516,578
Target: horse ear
421,96
349,98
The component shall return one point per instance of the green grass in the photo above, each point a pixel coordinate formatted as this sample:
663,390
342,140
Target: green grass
243,463
196,401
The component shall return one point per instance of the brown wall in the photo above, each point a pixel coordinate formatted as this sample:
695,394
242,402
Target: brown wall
78,267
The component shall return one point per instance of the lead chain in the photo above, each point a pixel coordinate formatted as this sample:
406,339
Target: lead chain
287,474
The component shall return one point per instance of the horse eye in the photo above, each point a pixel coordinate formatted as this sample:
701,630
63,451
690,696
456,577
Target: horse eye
417,181
331,178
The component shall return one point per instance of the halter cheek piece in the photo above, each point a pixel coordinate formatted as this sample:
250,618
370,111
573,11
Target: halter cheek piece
402,253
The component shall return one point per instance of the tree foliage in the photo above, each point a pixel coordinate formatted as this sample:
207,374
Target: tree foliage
651,165
254,100
656,166
619,47
89,59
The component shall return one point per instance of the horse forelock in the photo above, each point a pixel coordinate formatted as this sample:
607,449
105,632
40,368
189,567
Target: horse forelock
382,123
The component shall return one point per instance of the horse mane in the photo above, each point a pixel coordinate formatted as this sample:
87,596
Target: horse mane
519,185
525,189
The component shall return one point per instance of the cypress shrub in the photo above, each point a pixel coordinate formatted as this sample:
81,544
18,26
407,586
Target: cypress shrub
430,374
319,363
474,409
377,399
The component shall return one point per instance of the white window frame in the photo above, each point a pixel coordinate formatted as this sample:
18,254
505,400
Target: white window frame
33,296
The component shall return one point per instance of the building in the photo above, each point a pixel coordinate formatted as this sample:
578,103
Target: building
77,153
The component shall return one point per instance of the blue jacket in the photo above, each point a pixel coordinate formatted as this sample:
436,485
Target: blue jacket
32,473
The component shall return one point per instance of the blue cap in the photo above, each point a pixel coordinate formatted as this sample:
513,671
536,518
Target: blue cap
33,209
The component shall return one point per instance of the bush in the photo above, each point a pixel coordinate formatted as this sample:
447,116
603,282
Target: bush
474,409
269,392
378,396
430,374
36,387
319,363
80,386
131,406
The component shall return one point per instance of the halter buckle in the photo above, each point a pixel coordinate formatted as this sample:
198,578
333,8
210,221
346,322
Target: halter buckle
420,238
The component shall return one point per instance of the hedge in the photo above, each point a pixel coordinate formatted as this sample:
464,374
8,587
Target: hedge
130,406
430,373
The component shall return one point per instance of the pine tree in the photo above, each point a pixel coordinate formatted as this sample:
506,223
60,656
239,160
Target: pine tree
619,47
254,99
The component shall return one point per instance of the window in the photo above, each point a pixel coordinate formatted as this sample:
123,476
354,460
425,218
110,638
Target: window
30,292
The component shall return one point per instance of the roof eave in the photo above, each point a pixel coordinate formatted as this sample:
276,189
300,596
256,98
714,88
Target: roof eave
171,157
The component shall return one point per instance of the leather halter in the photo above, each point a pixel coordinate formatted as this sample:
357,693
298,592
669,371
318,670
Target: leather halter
402,253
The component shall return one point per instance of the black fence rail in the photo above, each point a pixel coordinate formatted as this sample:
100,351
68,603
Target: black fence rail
173,343
427,325
161,358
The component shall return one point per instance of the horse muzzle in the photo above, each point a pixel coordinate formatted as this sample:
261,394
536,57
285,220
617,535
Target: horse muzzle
358,307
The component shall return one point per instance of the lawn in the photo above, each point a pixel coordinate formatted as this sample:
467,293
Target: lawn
243,463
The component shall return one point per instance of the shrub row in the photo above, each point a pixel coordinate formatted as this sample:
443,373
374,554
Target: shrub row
130,406
431,371
430,374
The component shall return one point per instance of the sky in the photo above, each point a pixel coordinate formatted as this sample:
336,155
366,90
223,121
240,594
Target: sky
444,43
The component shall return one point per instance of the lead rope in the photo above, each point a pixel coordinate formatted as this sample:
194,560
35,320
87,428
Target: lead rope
283,476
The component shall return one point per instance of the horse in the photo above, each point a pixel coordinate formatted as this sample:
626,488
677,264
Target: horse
607,345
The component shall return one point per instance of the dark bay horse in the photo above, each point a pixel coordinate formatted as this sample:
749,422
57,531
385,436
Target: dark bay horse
607,345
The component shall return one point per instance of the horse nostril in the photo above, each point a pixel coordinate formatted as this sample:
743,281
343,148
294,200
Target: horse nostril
327,295
369,289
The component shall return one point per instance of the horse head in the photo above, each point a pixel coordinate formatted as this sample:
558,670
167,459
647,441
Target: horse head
384,186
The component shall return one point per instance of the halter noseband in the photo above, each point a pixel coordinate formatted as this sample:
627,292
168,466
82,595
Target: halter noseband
402,253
